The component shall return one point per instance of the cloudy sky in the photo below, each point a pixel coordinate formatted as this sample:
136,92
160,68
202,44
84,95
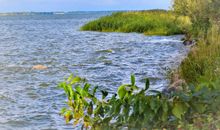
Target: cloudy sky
81,5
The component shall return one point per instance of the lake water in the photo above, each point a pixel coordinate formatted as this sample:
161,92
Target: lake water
29,99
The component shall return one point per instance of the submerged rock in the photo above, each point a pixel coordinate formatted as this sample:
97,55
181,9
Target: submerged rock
177,84
188,42
39,67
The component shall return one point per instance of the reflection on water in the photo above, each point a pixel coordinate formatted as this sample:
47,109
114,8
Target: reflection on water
29,98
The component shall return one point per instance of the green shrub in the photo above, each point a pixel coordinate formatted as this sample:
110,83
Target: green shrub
203,61
131,107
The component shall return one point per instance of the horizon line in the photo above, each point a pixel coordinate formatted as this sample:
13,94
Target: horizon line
8,12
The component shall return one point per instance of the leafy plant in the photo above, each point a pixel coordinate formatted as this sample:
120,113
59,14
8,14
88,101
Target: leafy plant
131,107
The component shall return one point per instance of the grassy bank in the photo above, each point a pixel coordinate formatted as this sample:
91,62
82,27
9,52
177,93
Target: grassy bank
154,22
203,61
202,66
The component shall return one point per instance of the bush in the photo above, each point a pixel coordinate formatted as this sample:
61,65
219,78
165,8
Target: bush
203,61
132,108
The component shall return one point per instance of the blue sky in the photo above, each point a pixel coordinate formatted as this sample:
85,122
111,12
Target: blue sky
81,5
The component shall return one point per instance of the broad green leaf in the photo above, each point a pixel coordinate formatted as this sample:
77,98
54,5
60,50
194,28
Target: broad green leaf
165,111
64,86
121,92
63,110
134,87
165,106
179,109
164,116
61,85
199,107
76,96
86,87
75,80
117,108
79,89
70,91
127,95
84,93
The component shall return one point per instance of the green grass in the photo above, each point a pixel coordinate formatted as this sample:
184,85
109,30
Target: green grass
203,62
155,22
200,67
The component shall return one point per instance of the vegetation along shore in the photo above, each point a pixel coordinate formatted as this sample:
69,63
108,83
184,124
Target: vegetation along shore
192,104
152,22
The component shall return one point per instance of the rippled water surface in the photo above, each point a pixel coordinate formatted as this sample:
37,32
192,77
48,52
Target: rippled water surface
29,99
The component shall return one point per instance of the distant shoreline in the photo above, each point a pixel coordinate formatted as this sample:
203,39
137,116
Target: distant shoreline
59,12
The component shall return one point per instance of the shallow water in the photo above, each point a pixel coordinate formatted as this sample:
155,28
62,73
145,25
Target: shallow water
29,99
